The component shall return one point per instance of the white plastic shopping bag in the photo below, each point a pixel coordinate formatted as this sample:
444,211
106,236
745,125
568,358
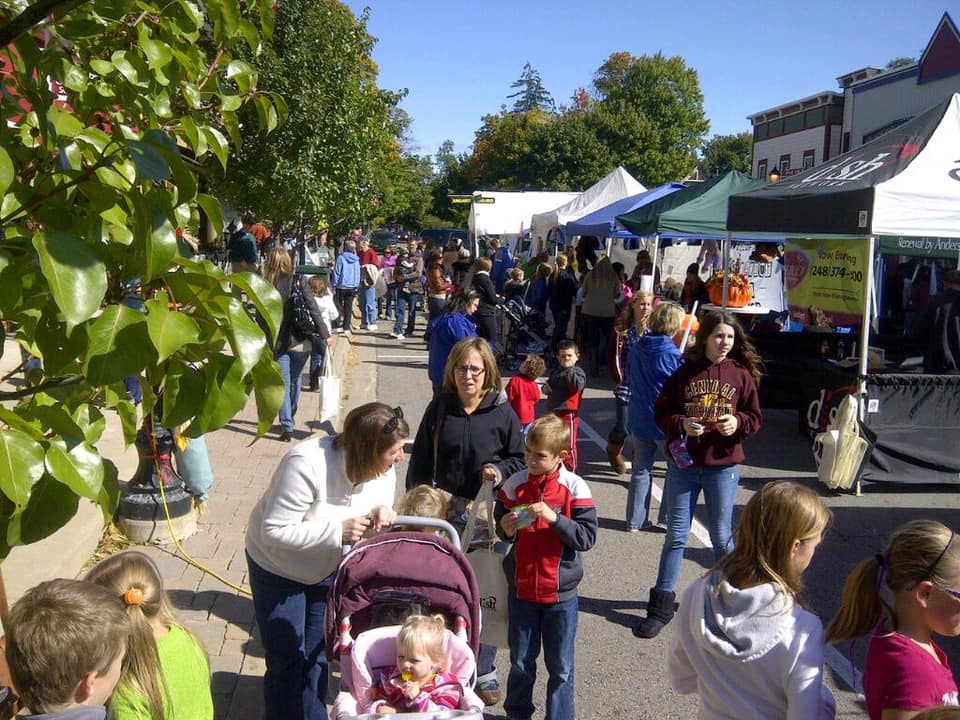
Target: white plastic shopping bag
329,406
487,560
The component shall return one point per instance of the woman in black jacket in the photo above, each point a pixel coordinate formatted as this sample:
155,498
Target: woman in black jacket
562,289
292,350
486,315
469,435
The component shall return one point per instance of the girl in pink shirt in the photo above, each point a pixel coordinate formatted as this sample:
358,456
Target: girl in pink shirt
905,595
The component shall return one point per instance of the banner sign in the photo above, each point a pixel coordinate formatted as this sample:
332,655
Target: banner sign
765,277
830,274
920,246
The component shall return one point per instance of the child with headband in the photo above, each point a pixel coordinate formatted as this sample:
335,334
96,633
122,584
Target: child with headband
903,596
166,674
419,682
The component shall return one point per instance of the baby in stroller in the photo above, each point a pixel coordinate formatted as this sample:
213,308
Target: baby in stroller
410,578
419,681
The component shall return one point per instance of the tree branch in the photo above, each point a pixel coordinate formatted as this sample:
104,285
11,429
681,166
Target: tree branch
32,16
34,389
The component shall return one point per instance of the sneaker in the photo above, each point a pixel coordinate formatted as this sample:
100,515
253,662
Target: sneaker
372,328
399,336
632,529
396,335
489,692
347,333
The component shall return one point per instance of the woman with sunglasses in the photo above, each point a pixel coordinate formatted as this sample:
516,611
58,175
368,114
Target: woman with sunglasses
469,435
903,596
327,493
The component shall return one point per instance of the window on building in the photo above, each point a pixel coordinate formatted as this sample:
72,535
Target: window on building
762,170
809,158
814,118
793,123
835,115
845,145
784,165
776,128
760,131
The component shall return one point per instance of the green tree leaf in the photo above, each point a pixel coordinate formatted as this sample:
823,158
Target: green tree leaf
268,391
183,389
246,337
79,467
21,465
51,506
168,330
77,278
119,345
6,171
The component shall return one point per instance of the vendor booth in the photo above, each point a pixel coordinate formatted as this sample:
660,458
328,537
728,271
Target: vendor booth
615,186
905,184
506,215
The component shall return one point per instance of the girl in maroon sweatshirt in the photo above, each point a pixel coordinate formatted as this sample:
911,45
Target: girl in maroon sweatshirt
706,409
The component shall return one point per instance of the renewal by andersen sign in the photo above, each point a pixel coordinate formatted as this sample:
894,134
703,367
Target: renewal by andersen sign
921,246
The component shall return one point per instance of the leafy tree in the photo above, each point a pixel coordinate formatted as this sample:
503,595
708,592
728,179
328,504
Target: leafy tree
448,180
530,95
565,154
723,153
103,100
900,62
650,114
327,161
502,150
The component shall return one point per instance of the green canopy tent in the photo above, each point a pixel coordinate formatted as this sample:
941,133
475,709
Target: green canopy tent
700,212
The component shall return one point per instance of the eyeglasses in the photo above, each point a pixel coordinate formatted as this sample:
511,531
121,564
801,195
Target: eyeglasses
952,593
391,425
468,370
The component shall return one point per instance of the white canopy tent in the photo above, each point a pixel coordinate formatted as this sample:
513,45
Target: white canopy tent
615,186
506,214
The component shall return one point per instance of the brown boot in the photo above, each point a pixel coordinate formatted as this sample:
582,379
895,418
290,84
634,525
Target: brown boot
615,458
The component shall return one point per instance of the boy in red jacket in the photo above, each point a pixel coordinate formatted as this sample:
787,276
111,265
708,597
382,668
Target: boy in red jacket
549,514
564,389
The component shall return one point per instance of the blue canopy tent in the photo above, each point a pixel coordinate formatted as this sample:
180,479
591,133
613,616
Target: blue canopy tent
603,223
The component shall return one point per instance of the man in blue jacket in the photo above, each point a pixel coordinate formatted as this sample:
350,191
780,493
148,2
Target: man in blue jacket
346,281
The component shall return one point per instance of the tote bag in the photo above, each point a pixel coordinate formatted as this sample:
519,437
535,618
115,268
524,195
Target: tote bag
487,561
329,406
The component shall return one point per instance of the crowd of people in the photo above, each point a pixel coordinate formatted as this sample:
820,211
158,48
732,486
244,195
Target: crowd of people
684,389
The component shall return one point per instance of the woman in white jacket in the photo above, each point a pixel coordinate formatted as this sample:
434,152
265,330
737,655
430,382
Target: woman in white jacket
743,640
327,492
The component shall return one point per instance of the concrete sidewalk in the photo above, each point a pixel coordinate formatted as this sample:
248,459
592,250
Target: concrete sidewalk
221,617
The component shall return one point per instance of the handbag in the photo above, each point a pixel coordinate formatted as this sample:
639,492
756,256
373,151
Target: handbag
329,406
486,557
302,326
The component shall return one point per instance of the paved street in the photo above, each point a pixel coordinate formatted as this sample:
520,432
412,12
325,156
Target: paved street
617,675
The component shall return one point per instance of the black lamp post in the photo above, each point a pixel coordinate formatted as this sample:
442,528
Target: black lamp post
141,515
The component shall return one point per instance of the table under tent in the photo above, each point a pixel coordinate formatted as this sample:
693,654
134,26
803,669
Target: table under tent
904,184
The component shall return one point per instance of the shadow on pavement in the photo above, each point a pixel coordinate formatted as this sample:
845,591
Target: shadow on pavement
612,610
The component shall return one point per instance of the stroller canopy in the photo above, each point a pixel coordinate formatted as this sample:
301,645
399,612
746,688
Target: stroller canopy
402,562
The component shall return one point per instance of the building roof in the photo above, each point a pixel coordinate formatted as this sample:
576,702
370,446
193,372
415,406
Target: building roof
826,97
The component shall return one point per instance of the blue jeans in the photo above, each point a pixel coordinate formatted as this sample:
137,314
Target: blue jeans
290,617
406,301
680,493
291,368
555,626
368,306
641,483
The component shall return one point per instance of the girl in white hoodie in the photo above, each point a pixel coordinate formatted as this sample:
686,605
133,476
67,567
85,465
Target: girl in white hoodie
743,640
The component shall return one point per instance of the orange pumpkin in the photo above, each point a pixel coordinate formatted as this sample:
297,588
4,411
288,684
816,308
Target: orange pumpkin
736,296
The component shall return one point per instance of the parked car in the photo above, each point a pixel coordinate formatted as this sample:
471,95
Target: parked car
440,237
381,239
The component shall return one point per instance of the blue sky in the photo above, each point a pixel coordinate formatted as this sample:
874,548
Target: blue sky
458,59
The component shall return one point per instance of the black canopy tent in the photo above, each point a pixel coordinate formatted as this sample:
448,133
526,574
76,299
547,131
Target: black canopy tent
907,184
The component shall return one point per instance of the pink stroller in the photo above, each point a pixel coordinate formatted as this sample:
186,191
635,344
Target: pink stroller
379,583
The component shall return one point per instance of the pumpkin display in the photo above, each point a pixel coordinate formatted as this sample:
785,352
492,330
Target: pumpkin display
739,290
